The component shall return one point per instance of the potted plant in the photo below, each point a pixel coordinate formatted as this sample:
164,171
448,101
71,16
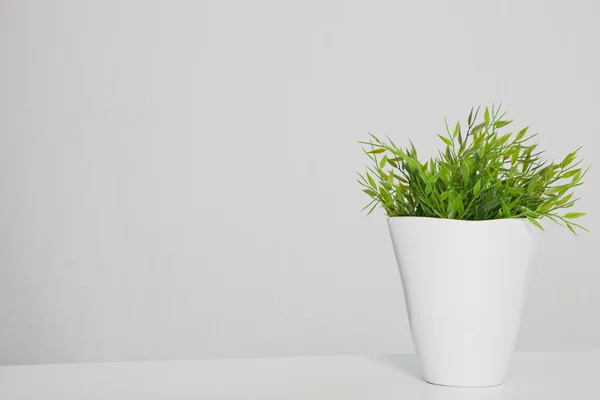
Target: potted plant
463,226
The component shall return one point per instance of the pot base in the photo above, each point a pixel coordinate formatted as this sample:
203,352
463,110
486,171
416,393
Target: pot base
465,386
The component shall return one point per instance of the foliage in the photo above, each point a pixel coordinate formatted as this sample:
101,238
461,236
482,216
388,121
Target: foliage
480,175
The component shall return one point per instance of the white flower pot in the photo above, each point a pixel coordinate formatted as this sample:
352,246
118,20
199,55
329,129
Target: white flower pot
465,284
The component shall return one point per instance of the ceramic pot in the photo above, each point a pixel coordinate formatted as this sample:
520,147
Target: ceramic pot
465,284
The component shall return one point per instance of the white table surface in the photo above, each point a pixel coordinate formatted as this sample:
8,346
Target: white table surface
533,375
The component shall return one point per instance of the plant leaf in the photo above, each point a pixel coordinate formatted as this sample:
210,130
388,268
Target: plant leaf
445,140
456,129
521,133
531,186
571,173
477,187
536,223
500,124
572,215
383,161
371,181
477,128
568,160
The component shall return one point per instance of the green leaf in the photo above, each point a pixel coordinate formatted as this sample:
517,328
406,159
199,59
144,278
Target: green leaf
456,129
413,149
513,159
477,128
504,139
477,187
572,215
368,205
521,133
505,210
385,195
371,181
571,173
450,209
370,192
445,140
568,160
448,155
545,208
400,178
491,205
536,223
531,186
470,117
383,162
458,205
548,172
464,170
373,208
486,117
564,199
376,151
500,124
527,161
558,189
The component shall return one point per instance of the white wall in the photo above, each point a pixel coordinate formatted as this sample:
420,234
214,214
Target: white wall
177,179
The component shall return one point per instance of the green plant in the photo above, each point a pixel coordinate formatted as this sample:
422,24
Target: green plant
480,175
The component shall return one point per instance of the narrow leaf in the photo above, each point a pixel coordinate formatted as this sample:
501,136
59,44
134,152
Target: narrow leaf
536,223
500,124
382,162
572,215
571,173
371,181
477,128
564,199
531,186
568,160
456,129
445,140
477,187
521,133
505,210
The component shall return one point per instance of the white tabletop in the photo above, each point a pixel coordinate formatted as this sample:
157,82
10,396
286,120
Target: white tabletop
535,375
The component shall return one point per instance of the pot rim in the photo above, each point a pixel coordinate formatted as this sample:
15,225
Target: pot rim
451,220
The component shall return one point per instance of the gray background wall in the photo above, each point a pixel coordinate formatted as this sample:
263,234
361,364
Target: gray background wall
177,179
